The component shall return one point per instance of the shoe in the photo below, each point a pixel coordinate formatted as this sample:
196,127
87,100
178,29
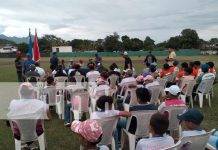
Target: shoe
67,124
33,147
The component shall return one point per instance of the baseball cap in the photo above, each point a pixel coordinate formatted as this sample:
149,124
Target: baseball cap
148,78
125,53
90,129
139,78
71,60
116,70
205,67
192,115
173,89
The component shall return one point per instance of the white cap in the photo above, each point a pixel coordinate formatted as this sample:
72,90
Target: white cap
125,53
117,70
173,89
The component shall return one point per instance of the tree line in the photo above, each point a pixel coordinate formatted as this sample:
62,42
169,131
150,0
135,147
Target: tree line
188,39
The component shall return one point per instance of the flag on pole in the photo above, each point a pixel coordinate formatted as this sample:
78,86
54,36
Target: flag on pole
30,47
36,53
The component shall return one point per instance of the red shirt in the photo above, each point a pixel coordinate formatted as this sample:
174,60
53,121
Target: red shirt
195,72
172,69
180,74
164,73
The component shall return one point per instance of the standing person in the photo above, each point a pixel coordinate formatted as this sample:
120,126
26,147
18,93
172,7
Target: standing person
27,63
171,57
150,58
54,61
18,65
98,59
128,61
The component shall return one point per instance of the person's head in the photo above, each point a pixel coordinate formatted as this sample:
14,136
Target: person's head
125,54
37,64
50,80
77,66
128,72
59,68
205,68
103,100
143,95
81,61
166,66
188,71
91,66
184,65
191,118
89,132
197,64
28,56
140,79
158,124
26,90
62,61
152,68
104,75
211,64
150,52
148,79
173,91
113,66
33,80
171,49
32,67
71,61
175,63
191,64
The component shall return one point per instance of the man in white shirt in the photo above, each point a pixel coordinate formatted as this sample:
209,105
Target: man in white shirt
27,107
92,71
39,70
171,57
127,78
149,81
158,127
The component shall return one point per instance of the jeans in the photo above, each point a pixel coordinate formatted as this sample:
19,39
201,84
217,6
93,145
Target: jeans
67,112
19,76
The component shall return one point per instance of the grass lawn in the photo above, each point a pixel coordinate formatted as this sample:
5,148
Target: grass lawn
59,137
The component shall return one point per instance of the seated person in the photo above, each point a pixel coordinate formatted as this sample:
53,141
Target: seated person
182,72
114,69
39,70
90,134
59,72
171,99
127,78
191,120
205,75
102,84
165,71
174,68
211,68
50,82
149,81
32,72
103,113
143,99
158,128
29,106
92,71
147,68
153,71
184,80
140,81
196,68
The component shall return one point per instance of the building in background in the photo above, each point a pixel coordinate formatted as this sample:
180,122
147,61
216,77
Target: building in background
62,49
8,49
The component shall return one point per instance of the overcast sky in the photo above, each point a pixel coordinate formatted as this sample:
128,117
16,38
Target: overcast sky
93,19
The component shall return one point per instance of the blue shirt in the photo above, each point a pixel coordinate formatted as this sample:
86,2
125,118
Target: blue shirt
26,64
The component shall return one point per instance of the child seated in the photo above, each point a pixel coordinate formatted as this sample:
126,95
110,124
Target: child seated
159,140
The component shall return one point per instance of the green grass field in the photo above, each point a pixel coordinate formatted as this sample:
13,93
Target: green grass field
59,137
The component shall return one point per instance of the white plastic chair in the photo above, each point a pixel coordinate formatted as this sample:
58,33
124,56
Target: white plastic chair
38,79
108,125
175,73
162,82
79,79
28,133
198,142
83,104
60,104
49,95
173,111
189,90
204,89
142,129
133,100
61,81
113,81
175,146
124,87
155,92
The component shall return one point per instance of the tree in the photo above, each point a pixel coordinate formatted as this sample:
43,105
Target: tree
148,43
189,39
137,44
112,43
174,42
127,43
23,47
161,46
213,41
